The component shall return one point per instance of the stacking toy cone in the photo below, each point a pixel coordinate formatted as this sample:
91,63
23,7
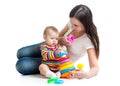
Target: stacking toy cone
66,65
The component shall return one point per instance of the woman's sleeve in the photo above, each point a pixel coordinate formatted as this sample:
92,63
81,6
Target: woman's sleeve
88,44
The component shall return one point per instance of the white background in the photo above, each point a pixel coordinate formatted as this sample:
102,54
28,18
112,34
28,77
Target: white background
23,21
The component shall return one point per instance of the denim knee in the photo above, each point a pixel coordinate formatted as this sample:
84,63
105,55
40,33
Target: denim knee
23,52
28,65
29,51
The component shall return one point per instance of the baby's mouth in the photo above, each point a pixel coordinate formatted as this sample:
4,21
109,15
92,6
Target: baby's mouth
54,43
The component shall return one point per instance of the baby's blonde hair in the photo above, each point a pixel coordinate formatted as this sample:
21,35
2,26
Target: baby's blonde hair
48,28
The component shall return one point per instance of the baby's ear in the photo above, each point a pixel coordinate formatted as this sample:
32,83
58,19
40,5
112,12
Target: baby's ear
44,36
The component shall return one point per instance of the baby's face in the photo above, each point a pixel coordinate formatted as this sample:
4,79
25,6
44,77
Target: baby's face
52,38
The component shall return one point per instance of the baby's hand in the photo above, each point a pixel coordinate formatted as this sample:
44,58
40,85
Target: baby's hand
62,53
63,48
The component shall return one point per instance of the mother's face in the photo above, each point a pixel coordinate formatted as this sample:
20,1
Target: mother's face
76,25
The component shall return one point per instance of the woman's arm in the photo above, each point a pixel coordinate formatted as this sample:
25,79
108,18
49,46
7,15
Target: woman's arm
63,40
63,31
93,63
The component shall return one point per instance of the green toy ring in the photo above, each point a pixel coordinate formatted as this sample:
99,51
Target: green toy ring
52,79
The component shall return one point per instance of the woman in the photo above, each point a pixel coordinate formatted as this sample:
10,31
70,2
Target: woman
86,40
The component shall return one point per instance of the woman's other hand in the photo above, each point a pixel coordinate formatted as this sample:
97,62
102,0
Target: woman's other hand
80,74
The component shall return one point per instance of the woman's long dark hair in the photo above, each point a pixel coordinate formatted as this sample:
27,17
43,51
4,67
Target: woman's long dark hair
84,15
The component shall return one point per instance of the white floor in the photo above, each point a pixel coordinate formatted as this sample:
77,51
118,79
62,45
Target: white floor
22,23
105,77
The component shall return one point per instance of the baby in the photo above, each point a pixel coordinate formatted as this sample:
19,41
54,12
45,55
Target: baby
51,51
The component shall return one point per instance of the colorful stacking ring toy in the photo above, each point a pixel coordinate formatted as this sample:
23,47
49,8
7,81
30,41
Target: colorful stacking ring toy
66,65
67,70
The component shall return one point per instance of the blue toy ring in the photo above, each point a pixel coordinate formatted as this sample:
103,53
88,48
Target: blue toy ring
59,81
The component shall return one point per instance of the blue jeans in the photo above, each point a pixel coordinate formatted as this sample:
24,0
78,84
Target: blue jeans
29,59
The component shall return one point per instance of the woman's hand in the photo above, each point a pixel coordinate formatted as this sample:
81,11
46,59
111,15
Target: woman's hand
66,42
78,74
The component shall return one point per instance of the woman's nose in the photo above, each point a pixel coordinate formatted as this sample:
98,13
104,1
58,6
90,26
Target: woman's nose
74,28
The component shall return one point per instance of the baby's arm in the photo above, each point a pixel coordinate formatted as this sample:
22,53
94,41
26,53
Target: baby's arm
47,54
50,55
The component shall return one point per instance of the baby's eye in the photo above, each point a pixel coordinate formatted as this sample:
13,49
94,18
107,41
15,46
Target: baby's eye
56,38
53,38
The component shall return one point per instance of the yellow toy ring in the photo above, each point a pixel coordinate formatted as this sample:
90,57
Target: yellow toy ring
66,63
67,66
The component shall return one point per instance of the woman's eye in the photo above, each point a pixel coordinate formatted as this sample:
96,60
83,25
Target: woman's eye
75,25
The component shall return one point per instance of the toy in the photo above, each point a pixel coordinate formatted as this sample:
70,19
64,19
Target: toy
70,38
62,53
59,81
55,80
70,65
80,66
67,70
66,65
52,79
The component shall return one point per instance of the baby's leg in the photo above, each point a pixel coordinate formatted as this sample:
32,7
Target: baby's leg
58,74
45,71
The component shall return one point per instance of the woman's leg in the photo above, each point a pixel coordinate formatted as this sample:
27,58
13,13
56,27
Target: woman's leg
29,51
28,65
29,59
